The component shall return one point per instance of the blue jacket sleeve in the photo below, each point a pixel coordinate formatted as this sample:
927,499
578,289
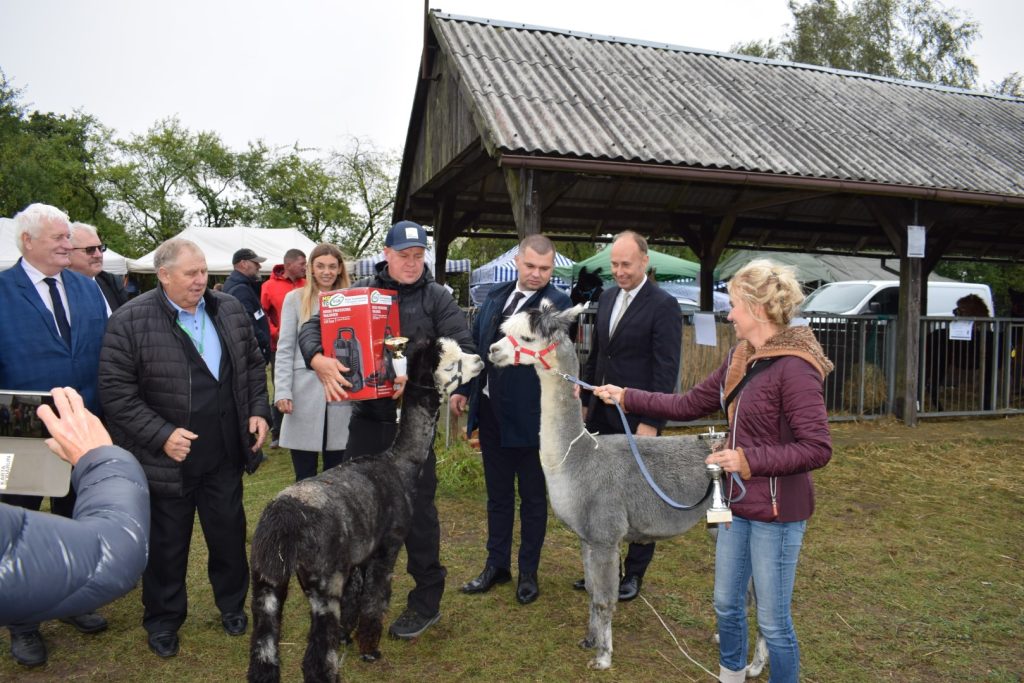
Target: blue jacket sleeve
54,567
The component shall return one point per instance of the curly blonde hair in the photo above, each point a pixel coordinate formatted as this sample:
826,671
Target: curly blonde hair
774,286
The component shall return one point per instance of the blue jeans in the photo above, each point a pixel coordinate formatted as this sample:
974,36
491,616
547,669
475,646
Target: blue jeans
769,551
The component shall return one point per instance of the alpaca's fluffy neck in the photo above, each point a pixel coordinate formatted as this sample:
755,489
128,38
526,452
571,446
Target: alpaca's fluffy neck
415,430
561,419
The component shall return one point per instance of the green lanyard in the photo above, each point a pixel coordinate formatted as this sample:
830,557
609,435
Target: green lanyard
202,333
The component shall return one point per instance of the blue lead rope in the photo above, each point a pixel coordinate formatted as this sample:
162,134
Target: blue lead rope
636,452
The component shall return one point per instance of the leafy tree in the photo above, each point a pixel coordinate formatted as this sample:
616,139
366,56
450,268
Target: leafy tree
370,181
149,182
916,40
170,177
50,158
1012,85
291,190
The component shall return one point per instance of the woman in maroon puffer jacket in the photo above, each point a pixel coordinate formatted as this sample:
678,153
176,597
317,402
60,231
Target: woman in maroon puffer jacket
778,433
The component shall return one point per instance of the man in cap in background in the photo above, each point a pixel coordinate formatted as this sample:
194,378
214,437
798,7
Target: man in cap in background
244,284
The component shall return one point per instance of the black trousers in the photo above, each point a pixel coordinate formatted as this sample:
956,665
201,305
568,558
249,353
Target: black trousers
217,497
305,462
502,468
601,420
423,544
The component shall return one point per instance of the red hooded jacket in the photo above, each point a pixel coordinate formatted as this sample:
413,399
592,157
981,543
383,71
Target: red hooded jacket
272,299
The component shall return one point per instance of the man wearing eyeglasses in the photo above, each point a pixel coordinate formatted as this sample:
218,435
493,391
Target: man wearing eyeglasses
87,259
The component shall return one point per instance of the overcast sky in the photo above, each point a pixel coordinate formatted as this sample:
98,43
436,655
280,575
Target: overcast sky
316,72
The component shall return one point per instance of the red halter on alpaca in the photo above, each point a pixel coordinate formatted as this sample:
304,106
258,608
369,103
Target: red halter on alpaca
539,355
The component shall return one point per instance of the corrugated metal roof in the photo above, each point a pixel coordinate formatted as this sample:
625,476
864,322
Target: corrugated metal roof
552,92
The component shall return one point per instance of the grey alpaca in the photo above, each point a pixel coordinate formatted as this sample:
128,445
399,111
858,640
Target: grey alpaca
593,482
340,532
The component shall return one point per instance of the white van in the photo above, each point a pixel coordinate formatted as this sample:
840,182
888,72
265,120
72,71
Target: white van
882,297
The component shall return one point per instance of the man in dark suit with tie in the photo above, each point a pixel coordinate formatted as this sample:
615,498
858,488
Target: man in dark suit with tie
505,403
86,255
51,336
636,343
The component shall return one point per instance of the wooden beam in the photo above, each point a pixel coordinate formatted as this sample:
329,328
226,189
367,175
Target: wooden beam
444,233
524,196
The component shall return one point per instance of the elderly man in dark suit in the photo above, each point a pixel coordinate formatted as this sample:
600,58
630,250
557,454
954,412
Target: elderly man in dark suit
50,337
505,403
637,343
86,255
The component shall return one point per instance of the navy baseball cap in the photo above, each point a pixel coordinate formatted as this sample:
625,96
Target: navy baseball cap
405,234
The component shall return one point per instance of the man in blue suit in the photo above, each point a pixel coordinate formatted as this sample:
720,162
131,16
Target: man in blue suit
505,404
53,327
637,343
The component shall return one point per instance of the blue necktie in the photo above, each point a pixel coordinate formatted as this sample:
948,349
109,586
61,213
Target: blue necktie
63,326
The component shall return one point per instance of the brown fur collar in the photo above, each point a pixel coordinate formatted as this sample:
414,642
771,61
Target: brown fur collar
792,341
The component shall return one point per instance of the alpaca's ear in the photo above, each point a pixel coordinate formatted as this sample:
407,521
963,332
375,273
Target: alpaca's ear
566,317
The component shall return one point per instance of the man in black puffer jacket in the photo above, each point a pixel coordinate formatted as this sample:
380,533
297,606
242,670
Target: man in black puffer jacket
183,384
425,309
244,284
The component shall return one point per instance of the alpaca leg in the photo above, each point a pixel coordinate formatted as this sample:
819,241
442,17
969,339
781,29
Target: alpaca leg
376,597
321,660
601,571
264,654
350,601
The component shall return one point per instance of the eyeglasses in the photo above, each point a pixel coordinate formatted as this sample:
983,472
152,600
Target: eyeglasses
93,249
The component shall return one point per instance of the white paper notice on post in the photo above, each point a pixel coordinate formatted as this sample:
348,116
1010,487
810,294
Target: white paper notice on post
704,329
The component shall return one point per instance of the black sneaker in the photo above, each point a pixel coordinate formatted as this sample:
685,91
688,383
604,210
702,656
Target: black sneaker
411,624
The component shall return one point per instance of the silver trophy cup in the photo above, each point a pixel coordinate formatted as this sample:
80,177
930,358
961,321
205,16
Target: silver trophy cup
718,512
398,361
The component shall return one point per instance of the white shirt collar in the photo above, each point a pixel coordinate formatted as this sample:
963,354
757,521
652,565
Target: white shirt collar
636,290
36,275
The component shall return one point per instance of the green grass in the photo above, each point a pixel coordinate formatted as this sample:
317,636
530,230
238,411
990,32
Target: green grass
912,570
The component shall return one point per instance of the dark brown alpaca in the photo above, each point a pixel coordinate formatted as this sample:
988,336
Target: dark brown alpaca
340,532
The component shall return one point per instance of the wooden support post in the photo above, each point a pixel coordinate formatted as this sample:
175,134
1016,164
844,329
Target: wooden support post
444,233
524,195
908,335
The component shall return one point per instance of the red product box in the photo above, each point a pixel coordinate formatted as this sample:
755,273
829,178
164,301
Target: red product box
353,326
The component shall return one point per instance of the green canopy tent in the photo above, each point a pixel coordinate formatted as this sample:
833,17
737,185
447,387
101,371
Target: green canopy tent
666,267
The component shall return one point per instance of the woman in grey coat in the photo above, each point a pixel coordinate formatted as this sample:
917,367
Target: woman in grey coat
311,425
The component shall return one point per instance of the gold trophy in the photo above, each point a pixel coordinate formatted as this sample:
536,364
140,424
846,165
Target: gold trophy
397,347
718,512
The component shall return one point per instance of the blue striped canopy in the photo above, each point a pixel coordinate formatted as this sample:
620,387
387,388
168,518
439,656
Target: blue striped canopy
503,269
367,265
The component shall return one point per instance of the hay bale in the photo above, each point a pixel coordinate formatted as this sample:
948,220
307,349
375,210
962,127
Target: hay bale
876,389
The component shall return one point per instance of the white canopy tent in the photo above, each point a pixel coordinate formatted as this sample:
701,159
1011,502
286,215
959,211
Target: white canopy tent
219,244
112,261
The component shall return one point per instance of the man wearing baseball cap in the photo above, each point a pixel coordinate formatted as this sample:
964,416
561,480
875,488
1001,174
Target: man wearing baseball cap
244,285
425,309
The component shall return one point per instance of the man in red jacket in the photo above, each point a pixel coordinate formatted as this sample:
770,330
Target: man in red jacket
284,278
